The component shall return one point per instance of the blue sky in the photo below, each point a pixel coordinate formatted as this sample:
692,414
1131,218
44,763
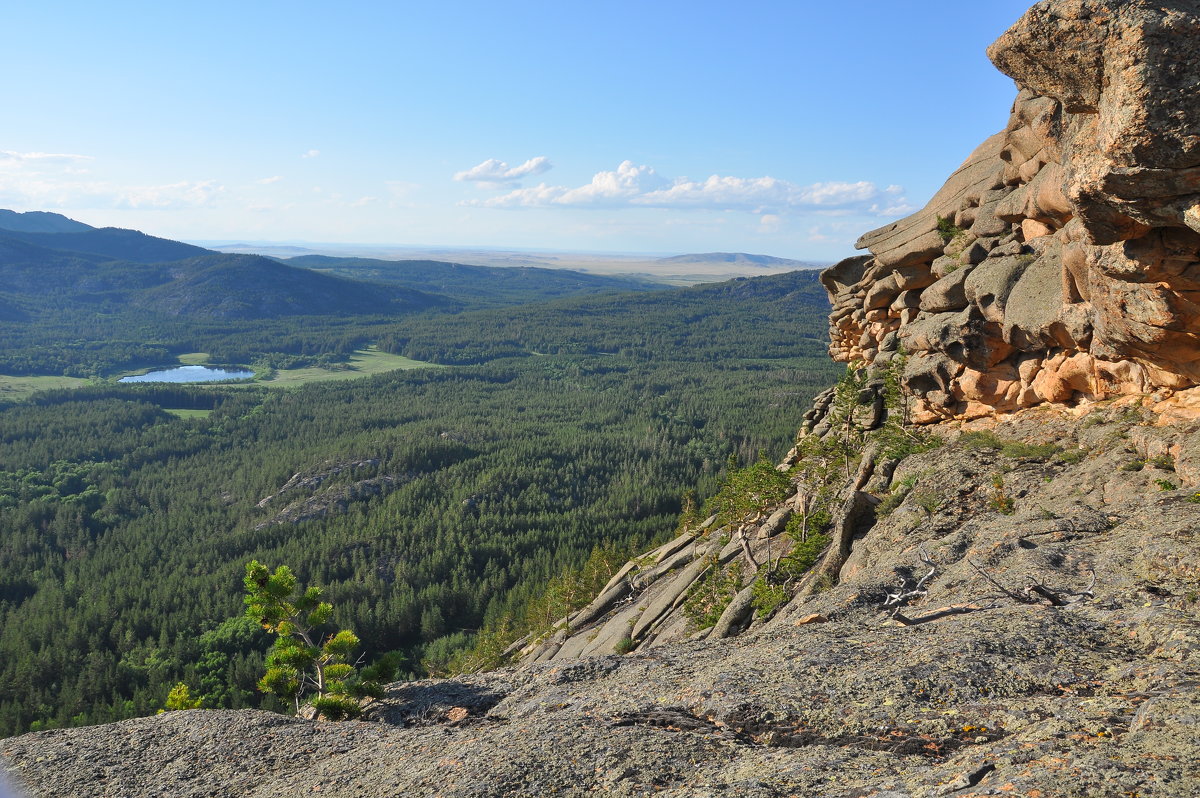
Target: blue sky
783,128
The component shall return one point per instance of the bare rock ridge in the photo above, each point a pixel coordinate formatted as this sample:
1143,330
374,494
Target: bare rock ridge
1061,261
1015,611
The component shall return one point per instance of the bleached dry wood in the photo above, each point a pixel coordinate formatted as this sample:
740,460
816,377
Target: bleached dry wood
908,590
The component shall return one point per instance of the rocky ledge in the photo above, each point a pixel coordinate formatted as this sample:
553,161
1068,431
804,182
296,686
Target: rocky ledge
1061,261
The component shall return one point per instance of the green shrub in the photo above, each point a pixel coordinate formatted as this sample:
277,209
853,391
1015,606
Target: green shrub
180,697
302,662
988,440
1070,456
948,230
1163,462
980,439
768,596
895,496
709,597
800,527
1000,501
928,500
803,556
1166,484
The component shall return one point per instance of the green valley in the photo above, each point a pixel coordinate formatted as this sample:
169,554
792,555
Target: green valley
433,470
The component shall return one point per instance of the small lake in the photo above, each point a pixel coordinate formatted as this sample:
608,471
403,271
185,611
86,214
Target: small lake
190,374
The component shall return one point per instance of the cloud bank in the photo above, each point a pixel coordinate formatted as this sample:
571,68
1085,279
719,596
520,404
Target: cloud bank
494,172
630,185
55,180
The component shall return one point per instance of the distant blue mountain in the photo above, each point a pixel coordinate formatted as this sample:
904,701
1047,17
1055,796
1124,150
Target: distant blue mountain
739,259
109,270
113,243
40,222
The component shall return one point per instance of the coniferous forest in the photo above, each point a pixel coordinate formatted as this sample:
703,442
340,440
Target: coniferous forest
428,503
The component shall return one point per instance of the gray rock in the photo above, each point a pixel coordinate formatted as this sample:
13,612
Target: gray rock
947,295
989,284
1033,315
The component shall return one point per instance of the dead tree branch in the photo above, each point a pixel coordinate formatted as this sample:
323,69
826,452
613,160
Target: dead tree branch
1037,590
745,543
1014,596
1060,598
937,615
908,590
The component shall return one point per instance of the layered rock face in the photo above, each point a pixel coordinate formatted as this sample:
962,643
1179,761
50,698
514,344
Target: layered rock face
1061,261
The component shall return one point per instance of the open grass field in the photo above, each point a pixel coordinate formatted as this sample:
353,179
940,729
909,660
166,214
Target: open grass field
363,363
185,413
18,388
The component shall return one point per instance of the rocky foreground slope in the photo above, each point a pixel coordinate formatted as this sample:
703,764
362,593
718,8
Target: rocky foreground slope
1013,612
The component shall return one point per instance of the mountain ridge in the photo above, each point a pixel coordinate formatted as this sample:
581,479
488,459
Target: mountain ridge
123,268
40,222
766,261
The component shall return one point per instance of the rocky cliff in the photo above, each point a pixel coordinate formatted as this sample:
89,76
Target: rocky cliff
1000,599
1061,261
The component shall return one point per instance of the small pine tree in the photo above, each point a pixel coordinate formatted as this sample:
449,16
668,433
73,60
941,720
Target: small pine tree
180,697
298,665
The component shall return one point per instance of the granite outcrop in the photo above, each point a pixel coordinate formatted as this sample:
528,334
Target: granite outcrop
1061,262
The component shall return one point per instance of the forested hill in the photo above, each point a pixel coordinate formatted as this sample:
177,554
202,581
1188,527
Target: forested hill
253,287
774,316
479,285
43,272
40,222
113,243
430,502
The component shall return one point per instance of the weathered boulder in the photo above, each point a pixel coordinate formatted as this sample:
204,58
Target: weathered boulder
1080,223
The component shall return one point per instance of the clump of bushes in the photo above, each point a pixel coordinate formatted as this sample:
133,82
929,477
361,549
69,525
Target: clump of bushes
709,597
1018,450
948,230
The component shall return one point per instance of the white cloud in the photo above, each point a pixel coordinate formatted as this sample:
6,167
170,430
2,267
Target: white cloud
185,194
757,194
816,234
266,181
628,182
607,189
493,172
9,159
630,185
769,223
310,154
54,180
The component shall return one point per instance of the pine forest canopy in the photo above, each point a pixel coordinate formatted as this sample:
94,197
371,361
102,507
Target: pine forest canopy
428,503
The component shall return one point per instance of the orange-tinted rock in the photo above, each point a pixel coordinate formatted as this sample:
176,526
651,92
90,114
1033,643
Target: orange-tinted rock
1083,228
